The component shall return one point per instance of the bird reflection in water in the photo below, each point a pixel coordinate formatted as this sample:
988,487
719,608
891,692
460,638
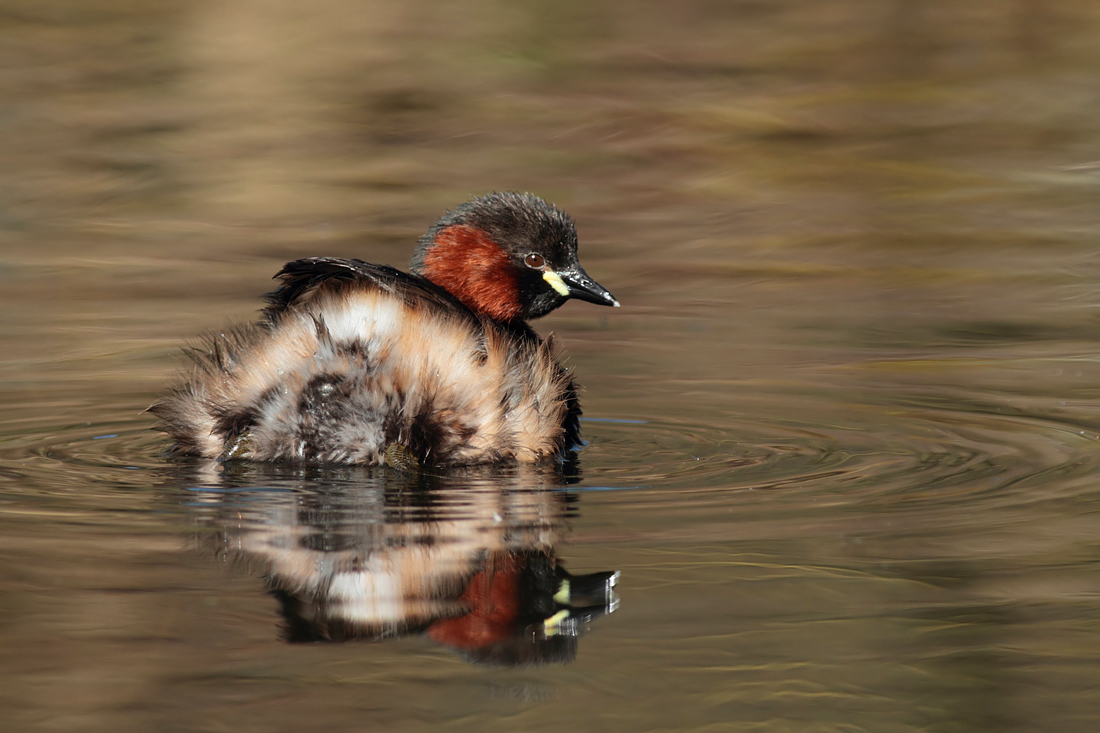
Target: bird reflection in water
468,559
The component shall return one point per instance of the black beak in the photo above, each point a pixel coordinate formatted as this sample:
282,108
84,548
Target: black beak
582,287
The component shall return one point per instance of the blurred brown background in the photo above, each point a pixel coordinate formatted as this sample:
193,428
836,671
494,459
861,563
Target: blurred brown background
856,246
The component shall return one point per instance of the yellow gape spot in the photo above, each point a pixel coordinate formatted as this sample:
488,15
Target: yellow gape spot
552,625
556,282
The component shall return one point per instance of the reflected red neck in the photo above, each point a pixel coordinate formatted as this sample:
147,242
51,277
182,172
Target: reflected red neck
470,266
494,598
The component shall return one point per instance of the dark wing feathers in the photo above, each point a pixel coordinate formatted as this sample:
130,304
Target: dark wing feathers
301,278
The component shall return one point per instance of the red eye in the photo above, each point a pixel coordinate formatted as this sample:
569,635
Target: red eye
534,260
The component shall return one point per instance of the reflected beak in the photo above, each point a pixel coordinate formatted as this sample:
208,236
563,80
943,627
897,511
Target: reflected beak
577,284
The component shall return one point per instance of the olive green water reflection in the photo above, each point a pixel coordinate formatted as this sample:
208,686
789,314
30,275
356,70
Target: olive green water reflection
843,435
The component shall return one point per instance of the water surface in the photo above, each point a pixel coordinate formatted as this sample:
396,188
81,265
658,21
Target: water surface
842,436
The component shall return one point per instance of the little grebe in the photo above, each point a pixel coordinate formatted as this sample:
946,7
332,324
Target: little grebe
360,363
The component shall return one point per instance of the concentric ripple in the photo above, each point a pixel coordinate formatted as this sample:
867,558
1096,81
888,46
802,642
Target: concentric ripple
910,452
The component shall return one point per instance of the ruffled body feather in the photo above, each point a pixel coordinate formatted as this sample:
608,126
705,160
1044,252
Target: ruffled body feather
359,363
